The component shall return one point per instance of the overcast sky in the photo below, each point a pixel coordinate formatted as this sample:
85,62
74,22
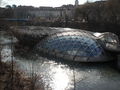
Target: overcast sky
37,3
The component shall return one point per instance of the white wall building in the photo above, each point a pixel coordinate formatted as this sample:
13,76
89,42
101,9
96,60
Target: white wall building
54,13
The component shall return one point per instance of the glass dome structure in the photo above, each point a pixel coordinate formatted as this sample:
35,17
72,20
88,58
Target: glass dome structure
72,45
69,44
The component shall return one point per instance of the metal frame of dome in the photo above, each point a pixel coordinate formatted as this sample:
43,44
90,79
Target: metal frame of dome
39,35
60,41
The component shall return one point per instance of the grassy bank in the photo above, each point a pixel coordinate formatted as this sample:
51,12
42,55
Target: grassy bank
17,80
12,78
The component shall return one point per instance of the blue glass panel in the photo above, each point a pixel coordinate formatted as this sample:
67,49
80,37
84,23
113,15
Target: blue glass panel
79,45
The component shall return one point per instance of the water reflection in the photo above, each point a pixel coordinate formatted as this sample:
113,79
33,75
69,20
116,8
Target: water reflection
6,53
61,79
55,76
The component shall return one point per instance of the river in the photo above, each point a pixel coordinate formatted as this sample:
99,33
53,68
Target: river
62,75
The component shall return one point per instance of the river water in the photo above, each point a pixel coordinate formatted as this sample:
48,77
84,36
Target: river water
62,75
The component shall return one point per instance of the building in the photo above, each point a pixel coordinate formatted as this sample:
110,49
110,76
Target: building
76,2
50,13
69,44
47,13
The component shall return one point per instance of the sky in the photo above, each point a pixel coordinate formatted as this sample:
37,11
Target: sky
38,3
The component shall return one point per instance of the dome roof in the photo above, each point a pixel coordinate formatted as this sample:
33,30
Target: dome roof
72,43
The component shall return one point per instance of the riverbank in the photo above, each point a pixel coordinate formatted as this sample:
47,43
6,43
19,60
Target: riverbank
11,76
11,79
16,80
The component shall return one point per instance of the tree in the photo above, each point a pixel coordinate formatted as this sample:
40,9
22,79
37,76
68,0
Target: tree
14,6
84,11
8,6
113,11
8,12
100,12
0,53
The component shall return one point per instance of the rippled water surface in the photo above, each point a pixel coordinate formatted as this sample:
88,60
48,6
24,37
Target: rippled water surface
63,75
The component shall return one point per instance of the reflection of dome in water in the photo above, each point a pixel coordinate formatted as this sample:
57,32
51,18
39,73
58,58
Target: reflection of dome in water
72,44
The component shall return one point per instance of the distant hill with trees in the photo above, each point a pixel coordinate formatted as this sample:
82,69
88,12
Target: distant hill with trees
99,12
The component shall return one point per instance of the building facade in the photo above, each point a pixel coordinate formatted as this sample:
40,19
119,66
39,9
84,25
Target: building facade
76,2
50,13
